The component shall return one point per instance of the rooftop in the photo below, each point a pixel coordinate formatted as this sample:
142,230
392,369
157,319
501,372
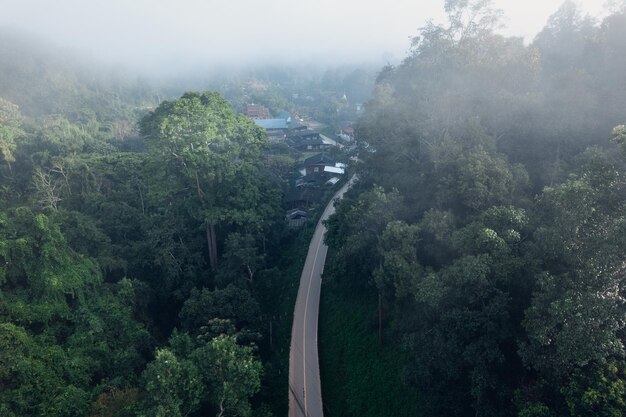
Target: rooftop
303,133
318,159
273,123
334,170
300,141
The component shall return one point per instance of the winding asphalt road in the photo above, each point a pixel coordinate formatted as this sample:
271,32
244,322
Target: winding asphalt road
305,394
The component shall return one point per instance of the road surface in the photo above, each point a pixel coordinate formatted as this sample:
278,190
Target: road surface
305,395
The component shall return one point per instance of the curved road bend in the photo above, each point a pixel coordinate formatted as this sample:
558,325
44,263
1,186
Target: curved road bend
305,395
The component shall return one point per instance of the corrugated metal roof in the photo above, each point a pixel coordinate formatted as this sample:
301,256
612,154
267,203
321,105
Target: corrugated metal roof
334,170
272,123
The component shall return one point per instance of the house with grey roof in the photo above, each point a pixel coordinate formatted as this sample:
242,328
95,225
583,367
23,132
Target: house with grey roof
315,164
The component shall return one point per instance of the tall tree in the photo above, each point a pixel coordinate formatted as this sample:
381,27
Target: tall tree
203,149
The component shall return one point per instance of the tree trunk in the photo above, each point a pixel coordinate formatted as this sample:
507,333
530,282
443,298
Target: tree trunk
212,243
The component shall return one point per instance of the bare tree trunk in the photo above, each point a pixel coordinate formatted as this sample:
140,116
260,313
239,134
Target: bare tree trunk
212,242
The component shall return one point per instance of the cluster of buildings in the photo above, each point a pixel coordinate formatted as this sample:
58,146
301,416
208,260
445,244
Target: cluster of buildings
317,172
292,132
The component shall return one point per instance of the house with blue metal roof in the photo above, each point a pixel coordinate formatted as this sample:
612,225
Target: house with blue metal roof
273,124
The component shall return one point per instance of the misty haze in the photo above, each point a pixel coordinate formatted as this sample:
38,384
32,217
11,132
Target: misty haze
373,209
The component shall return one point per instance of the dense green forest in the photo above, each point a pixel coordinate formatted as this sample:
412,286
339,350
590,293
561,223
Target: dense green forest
477,267
145,265
490,217
134,258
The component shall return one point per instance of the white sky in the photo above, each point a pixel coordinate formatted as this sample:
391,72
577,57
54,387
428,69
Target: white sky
151,34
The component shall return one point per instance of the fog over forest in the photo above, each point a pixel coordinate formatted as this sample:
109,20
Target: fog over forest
199,196
169,37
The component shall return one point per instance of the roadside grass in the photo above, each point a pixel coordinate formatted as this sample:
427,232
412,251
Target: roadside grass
360,378
277,291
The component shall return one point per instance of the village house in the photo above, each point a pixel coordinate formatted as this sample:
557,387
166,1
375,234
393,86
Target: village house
317,163
256,111
300,198
273,124
306,140
303,134
296,217
346,132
